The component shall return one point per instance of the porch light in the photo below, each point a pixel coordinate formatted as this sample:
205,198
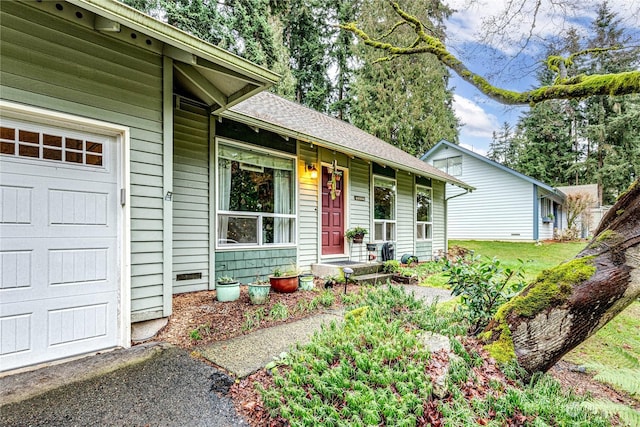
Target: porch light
314,172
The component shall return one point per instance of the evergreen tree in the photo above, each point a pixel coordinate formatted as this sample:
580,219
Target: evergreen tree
404,101
306,36
240,26
612,125
504,146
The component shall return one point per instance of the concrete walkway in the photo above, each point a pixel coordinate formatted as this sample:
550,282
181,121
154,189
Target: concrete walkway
246,354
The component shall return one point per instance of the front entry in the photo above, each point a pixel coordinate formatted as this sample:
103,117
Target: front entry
332,213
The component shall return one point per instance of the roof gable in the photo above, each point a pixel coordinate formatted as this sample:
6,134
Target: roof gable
216,76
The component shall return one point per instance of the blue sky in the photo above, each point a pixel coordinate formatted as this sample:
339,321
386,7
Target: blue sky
503,60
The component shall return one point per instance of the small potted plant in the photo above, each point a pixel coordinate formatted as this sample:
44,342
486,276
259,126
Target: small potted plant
227,289
284,281
356,234
306,281
259,291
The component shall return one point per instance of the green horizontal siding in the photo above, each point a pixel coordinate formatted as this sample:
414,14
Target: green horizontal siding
52,63
308,223
191,197
439,220
405,217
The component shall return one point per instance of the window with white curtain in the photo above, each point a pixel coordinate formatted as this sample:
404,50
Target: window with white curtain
424,209
384,208
256,197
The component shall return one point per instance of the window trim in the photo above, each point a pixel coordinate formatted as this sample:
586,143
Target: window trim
258,215
424,224
448,165
384,222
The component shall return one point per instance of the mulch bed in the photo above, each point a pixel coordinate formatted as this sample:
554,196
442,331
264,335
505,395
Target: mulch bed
223,320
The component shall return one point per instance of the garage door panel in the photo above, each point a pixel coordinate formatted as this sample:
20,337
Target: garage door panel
59,262
63,270
61,327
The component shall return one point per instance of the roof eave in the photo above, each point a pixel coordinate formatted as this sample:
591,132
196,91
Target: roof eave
168,34
251,121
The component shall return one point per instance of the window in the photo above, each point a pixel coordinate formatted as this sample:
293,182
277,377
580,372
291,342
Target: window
384,208
256,197
423,213
546,210
450,165
41,145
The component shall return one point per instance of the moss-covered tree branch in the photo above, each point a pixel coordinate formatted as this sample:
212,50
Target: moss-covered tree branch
575,87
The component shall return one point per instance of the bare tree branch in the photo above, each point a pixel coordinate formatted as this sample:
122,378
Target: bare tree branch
564,88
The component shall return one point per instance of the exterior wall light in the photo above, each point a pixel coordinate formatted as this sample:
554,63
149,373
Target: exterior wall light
314,172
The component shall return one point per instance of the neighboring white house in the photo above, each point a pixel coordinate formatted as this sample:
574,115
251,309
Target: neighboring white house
506,204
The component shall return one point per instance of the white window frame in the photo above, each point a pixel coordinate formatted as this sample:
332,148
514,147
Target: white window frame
425,225
546,209
384,222
259,216
449,165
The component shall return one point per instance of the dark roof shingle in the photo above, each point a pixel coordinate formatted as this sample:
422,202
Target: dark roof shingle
309,125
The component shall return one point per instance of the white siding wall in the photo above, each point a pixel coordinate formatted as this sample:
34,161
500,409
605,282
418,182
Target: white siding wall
405,215
56,64
191,197
308,210
501,207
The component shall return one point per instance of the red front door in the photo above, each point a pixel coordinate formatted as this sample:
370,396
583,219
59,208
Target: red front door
332,215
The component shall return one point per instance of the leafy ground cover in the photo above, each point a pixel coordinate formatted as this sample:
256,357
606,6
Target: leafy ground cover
374,369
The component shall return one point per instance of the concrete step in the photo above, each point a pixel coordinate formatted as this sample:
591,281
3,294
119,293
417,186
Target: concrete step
374,278
359,269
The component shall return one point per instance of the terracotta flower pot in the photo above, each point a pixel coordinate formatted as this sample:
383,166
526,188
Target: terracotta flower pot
284,284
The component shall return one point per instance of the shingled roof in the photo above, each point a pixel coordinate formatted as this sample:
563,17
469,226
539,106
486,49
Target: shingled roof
274,113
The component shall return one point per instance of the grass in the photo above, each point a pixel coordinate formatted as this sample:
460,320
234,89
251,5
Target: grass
538,257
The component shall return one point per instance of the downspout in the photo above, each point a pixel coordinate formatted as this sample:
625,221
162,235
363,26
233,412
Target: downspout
446,216
536,209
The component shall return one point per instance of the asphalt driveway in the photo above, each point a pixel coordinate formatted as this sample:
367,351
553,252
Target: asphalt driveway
168,389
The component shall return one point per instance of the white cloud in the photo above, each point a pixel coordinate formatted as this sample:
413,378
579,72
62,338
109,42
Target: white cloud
469,21
476,122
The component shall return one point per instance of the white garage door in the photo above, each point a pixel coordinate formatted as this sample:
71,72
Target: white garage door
59,246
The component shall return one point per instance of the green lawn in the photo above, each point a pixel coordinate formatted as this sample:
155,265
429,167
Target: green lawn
538,257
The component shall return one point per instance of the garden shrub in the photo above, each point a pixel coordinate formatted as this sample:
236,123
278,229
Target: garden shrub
483,286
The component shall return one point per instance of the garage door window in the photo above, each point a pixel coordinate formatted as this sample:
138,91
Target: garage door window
60,148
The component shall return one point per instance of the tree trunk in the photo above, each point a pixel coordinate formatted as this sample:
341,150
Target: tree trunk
568,304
